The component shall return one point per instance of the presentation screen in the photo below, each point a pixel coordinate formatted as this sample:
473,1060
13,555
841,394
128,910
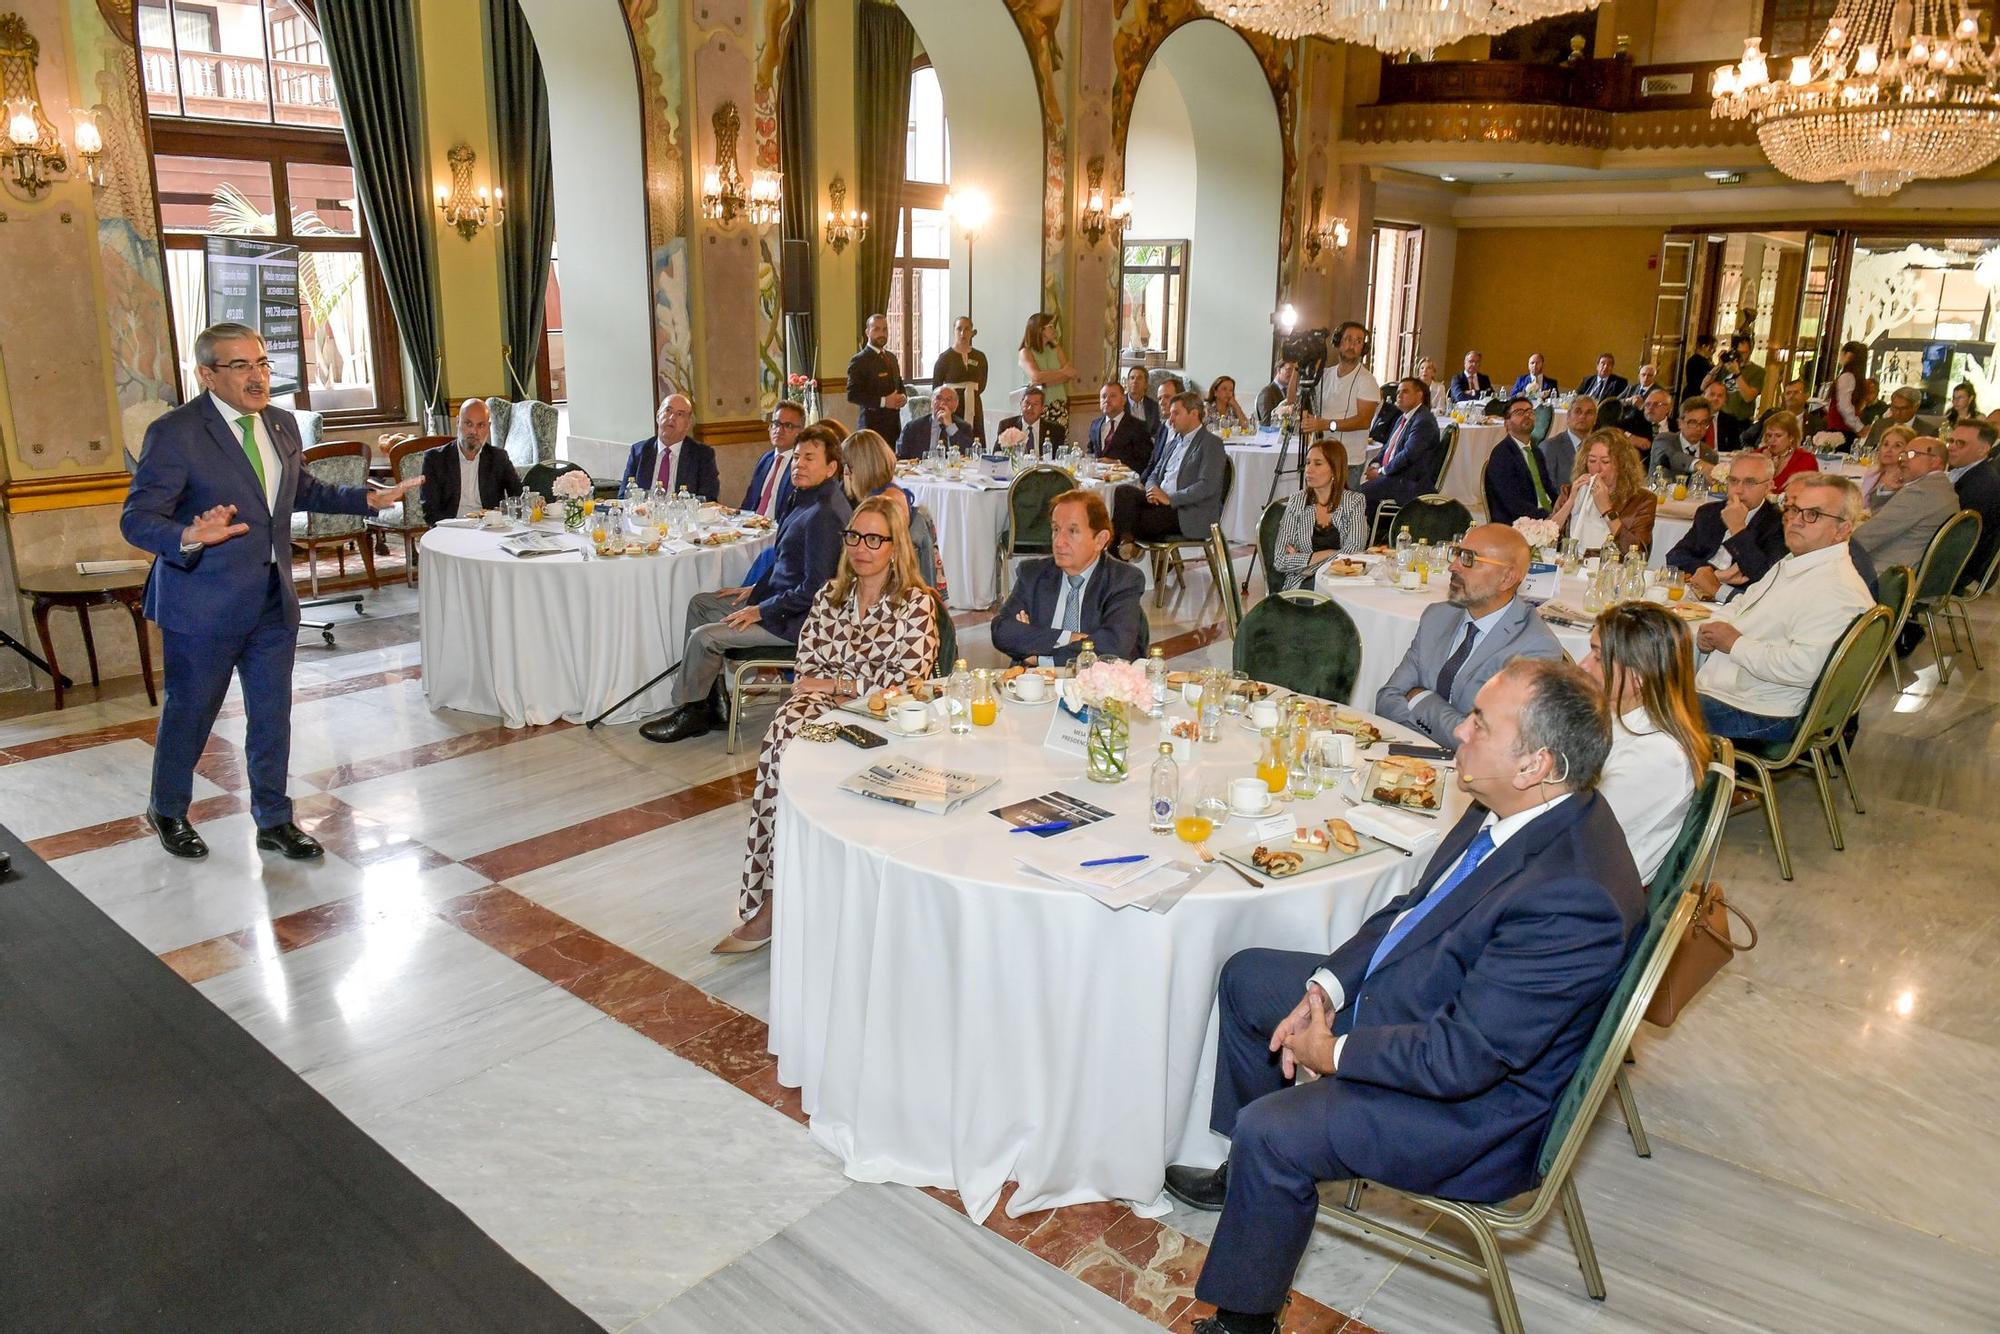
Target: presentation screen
257,283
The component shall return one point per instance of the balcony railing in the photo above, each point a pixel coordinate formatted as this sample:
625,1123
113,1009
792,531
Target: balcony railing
225,87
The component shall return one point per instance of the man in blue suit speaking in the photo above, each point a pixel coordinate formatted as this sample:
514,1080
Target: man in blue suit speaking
1447,1028
213,497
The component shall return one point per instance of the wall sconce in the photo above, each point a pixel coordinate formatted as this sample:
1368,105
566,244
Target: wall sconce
1102,216
722,192
463,207
1323,236
31,151
843,225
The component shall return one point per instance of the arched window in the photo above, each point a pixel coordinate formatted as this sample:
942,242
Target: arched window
920,284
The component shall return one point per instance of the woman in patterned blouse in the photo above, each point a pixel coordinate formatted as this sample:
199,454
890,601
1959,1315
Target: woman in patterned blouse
874,625
1321,521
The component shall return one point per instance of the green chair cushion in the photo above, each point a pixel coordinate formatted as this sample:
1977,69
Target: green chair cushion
1313,649
1267,540
1028,500
1432,520
1944,562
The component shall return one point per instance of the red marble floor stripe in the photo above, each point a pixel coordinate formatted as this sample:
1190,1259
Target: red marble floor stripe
113,832
140,729
349,685
447,748
764,1087
614,827
511,923
208,958
224,764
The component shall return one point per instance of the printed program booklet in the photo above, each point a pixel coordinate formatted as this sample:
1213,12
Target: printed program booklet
923,787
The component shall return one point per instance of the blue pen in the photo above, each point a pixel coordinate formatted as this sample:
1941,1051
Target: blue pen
1116,861
1052,827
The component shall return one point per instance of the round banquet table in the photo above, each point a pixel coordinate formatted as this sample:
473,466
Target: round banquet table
1671,522
952,1021
1387,618
968,517
539,638
1465,480
1256,460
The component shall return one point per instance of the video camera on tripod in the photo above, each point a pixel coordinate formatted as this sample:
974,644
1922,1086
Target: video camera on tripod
1307,349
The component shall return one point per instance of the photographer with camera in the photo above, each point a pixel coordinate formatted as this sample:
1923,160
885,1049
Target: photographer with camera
1284,386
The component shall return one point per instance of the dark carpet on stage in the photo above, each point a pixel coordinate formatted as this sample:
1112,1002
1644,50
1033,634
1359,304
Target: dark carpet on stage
161,1170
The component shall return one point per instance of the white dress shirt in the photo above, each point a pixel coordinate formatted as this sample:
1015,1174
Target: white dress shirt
468,481
1501,830
1340,396
1790,620
265,449
1648,783
1062,608
1170,469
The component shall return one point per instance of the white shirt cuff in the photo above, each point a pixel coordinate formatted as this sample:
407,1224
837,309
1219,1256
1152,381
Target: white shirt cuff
1338,1043
1330,984
1419,697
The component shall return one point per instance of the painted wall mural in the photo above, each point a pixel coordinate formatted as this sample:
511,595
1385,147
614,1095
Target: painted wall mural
656,36
774,30
1040,22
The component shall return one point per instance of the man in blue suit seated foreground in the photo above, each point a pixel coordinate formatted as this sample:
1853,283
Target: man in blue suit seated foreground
213,495
670,459
1080,593
1445,1031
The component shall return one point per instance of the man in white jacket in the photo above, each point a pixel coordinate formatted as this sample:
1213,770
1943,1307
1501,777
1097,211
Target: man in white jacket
1765,649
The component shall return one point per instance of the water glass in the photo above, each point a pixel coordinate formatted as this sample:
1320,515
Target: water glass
1239,690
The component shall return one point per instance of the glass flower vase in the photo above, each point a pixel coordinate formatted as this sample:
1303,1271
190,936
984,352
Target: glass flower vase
573,515
1107,749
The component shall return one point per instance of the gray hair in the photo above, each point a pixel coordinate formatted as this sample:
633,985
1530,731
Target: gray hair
1566,715
1908,394
205,341
1849,489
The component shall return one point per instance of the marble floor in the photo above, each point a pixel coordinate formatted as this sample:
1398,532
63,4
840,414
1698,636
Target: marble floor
501,972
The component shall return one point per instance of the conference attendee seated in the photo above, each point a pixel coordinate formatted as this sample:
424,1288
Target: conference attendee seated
1463,640
1606,506
1412,455
672,458
1766,646
1643,658
1165,389
1792,399
875,381
1471,382
1904,521
868,468
466,476
770,489
1223,410
1041,436
1517,476
768,612
1117,432
1139,394
1606,382
1733,542
1081,592
1531,381
1446,1029
874,625
1284,389
1902,411
1684,451
1975,474
942,427
1559,447
1780,443
1322,520
1657,407
1647,381
1436,388
1182,492
1724,431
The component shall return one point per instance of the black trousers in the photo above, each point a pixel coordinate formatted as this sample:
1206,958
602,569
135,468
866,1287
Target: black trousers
1132,516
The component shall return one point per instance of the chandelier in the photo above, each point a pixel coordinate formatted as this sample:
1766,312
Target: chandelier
1896,92
1394,26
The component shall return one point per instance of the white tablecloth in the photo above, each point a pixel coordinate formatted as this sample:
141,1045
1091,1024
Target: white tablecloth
1387,619
952,1023
1465,480
1670,524
1256,461
968,519
534,640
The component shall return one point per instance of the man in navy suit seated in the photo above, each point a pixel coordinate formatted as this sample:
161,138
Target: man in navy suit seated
1737,541
212,498
467,474
1606,384
1118,432
1446,1029
670,458
1534,382
1042,436
941,427
770,489
1517,473
1080,593
1471,382
1412,452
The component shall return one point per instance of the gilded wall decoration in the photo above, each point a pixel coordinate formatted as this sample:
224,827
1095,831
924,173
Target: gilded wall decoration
774,30
656,38
1040,22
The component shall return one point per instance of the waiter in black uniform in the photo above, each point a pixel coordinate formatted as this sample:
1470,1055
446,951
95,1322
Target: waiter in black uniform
875,382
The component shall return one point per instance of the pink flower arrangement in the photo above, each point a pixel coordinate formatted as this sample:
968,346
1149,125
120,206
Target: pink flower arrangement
1116,682
1538,532
572,485
799,380
1012,438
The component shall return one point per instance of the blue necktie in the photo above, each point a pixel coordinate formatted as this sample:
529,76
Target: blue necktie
1072,617
1475,853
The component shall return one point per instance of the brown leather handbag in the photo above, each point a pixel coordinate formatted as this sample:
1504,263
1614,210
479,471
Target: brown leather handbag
1707,946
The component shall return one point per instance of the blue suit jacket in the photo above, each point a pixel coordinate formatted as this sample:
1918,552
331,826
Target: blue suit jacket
781,500
1414,471
694,467
1510,491
916,439
1461,1042
1524,382
191,462
1113,617
807,553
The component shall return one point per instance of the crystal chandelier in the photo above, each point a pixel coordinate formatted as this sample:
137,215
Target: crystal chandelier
1896,92
1394,26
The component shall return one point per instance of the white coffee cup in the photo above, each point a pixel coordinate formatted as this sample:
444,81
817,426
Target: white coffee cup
1339,749
1248,794
913,717
493,519
1031,687
1264,713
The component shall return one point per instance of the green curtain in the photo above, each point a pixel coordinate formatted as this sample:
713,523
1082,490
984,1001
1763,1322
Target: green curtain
372,47
884,43
520,104
795,159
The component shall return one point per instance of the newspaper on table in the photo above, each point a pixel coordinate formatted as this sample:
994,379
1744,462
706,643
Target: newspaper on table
1156,883
530,544
922,787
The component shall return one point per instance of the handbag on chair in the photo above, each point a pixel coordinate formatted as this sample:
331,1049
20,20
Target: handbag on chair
1706,947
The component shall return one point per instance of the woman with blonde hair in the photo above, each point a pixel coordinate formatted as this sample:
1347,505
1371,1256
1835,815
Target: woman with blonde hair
1643,657
1781,439
1436,391
1320,521
870,470
1606,504
874,625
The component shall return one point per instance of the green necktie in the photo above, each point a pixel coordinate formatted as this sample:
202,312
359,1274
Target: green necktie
243,424
1535,472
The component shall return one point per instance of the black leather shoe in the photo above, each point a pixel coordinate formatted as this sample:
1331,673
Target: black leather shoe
1199,1187
177,836
291,840
684,722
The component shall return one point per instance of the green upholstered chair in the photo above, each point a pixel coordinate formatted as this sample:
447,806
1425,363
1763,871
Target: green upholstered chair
1850,668
1222,571
1545,420
1169,553
1568,1128
1267,541
337,463
1307,644
1939,577
1025,529
1433,518
1896,589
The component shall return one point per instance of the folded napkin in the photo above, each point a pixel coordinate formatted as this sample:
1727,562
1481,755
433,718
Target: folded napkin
1564,614
1400,829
